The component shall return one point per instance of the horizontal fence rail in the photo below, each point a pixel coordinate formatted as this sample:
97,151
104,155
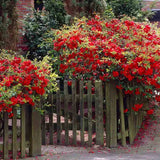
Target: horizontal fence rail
88,113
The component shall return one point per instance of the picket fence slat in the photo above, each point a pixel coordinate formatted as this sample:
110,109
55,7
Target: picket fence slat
5,135
66,112
82,112
43,124
14,133
122,120
74,112
108,105
51,129
89,113
58,107
130,121
99,113
23,131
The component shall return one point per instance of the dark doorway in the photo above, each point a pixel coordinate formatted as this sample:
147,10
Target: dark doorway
38,4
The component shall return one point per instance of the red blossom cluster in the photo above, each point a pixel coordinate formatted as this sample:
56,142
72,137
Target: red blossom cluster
20,80
121,50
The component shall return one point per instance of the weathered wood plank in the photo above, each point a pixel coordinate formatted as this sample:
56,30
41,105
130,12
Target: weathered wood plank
119,135
66,112
23,131
130,121
74,112
89,113
58,107
82,111
35,133
43,124
111,114
107,125
51,120
99,113
5,136
122,120
14,133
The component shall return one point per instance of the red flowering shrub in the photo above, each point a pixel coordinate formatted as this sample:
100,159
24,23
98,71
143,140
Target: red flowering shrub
22,81
120,50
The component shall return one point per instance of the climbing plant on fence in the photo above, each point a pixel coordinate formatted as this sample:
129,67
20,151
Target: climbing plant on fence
117,50
22,84
23,81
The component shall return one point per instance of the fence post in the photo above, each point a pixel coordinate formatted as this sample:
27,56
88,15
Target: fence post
35,133
111,114
99,113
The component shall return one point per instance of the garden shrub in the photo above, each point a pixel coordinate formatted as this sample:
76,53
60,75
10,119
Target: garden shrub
131,8
24,81
38,25
124,51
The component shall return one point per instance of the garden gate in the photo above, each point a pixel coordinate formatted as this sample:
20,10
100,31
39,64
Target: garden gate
87,113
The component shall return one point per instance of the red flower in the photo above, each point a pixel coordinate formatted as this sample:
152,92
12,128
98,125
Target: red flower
69,83
128,92
10,115
157,98
93,90
14,101
8,84
115,74
126,110
137,107
151,111
137,92
119,86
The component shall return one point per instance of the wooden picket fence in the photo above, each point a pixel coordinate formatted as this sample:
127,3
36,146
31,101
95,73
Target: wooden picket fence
78,114
81,113
20,133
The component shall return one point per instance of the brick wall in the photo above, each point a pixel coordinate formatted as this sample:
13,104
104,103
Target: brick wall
23,7
147,4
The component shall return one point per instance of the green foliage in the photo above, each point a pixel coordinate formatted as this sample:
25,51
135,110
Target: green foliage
86,8
37,28
35,25
56,12
131,8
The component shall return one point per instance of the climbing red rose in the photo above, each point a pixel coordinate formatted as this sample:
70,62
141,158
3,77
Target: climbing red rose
21,81
124,51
